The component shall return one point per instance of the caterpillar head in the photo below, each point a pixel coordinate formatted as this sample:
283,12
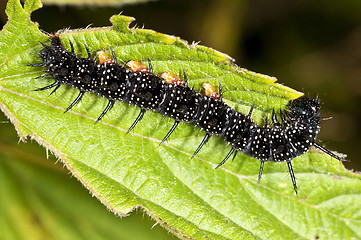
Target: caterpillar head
52,53
304,109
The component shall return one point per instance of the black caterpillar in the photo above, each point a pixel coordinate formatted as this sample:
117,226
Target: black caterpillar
281,141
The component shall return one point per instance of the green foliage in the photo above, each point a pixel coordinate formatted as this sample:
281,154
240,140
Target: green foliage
187,197
39,200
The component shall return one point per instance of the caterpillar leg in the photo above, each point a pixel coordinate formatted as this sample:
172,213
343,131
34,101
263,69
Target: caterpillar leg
113,54
87,50
45,46
107,108
292,176
56,83
42,76
71,46
274,118
170,132
329,152
185,78
260,172
54,90
226,158
251,110
150,66
35,65
234,156
205,139
78,98
220,91
140,116
284,117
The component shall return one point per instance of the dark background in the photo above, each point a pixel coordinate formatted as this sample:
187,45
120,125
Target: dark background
311,46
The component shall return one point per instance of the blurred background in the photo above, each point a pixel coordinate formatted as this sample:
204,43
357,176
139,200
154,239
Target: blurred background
311,46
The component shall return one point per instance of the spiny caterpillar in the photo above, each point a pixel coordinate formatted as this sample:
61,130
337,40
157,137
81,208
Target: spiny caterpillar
135,84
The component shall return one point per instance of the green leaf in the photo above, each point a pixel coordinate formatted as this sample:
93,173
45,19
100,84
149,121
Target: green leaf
39,200
187,197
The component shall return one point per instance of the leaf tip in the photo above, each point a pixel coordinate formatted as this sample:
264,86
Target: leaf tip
121,23
13,7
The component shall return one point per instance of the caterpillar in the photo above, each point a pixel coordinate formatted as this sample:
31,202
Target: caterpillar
280,141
